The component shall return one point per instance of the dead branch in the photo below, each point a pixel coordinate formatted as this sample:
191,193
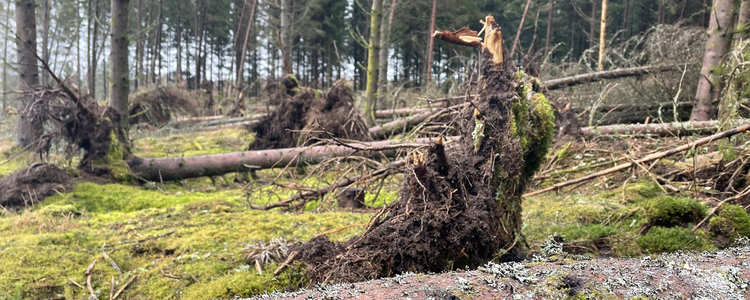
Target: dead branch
662,129
124,286
286,263
386,169
648,158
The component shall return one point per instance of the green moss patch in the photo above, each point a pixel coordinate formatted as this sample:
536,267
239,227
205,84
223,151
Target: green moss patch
192,144
730,223
661,239
171,241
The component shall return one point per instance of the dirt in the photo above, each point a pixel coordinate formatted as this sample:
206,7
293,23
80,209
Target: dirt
301,114
448,215
711,275
158,105
30,186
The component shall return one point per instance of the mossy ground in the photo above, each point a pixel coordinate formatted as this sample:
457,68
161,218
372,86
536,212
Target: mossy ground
196,230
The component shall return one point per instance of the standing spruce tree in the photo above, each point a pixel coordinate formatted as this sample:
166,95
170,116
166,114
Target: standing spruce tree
372,62
120,74
29,127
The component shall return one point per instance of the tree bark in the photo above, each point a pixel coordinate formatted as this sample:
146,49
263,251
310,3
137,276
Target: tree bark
120,76
589,77
155,169
431,42
549,26
139,47
603,35
719,39
520,29
178,37
92,48
28,72
47,7
385,36
5,59
592,37
661,129
743,21
372,62
625,16
244,49
286,34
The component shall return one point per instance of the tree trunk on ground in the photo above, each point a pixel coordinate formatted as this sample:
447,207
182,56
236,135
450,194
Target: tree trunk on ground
120,76
385,36
29,128
155,169
603,35
719,38
520,29
663,129
372,62
589,77
431,43
549,26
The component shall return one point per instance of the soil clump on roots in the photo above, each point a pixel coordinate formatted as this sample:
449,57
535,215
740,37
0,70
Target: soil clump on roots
78,124
157,106
303,116
29,186
460,206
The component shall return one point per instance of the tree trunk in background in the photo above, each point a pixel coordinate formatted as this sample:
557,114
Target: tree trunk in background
178,42
592,39
93,49
431,43
5,59
625,19
157,46
385,36
719,38
139,47
743,21
520,28
28,72
241,59
197,56
372,62
603,35
120,77
286,35
47,7
549,26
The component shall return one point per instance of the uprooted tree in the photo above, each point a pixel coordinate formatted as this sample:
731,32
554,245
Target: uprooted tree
459,206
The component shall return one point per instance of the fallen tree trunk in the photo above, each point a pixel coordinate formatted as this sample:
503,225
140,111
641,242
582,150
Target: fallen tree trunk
559,83
176,168
402,112
648,158
661,129
385,130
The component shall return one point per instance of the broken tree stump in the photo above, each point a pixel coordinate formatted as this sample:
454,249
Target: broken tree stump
459,207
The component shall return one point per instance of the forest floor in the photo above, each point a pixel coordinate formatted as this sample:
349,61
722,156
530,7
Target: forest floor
190,239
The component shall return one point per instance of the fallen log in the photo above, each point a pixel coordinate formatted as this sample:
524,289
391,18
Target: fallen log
558,83
402,112
660,129
385,130
177,168
648,158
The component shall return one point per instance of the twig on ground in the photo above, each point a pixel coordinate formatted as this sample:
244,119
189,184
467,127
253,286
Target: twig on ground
111,262
88,276
76,283
713,211
124,286
286,263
